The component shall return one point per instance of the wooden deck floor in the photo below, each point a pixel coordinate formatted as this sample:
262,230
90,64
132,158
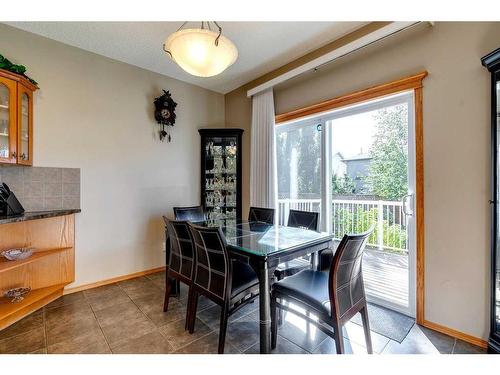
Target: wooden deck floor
386,276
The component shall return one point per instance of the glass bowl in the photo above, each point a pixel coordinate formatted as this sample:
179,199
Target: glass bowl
17,294
18,253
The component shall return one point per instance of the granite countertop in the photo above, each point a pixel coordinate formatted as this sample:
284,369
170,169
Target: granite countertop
37,215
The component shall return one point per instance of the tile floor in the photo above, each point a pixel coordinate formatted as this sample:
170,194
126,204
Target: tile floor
128,317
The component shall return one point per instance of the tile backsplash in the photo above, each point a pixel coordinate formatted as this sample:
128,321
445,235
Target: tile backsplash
43,188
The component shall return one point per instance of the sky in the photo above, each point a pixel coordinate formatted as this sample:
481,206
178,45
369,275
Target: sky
352,135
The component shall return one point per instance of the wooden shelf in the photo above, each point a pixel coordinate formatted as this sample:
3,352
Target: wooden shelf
7,265
11,312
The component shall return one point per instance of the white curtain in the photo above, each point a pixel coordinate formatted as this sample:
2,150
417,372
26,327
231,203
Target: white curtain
263,177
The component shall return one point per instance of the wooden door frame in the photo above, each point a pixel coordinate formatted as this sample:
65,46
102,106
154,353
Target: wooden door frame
413,82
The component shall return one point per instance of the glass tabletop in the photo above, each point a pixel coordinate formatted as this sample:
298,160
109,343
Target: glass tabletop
263,239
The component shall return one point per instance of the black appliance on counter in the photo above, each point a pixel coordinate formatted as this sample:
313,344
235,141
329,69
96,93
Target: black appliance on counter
9,204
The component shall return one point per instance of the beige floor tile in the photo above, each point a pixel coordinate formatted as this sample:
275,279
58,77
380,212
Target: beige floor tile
152,306
39,351
67,299
71,330
208,344
90,342
121,331
283,346
119,312
178,337
103,300
150,343
158,279
26,324
100,291
67,314
328,347
140,287
26,342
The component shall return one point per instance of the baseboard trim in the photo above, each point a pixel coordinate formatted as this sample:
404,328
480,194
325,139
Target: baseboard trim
112,280
456,334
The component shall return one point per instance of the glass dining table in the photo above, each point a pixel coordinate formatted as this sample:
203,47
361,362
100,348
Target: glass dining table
263,247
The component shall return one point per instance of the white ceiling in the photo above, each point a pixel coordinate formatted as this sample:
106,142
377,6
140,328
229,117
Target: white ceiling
262,46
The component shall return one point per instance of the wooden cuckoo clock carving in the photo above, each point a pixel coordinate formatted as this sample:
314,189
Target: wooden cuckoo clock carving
165,114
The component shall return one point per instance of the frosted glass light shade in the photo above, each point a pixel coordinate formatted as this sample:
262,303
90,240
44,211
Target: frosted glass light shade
194,50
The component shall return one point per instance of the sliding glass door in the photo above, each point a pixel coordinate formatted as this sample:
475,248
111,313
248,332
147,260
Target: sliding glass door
356,166
298,149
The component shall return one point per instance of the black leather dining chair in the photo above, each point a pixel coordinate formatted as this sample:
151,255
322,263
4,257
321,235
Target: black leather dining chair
229,283
334,296
180,257
263,215
304,220
192,213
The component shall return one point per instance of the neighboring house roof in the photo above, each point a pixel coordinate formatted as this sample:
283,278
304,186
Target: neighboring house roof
358,157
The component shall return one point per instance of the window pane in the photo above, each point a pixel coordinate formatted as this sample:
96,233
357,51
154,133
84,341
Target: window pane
298,149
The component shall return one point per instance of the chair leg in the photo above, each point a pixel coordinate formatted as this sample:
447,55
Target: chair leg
194,308
339,337
167,292
366,329
223,327
188,312
275,314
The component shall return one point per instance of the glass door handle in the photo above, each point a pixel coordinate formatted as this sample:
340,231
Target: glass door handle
404,205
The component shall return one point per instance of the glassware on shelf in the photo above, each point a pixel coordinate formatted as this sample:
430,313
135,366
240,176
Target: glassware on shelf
4,127
231,149
209,149
217,151
231,165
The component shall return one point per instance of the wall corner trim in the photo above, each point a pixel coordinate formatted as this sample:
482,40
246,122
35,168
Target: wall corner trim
112,280
456,334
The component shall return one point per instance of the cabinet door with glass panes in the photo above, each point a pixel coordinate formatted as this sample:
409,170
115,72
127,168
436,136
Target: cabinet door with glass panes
25,126
221,174
8,120
16,119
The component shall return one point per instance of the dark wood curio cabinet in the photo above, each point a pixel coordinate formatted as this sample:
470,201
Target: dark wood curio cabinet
492,63
221,173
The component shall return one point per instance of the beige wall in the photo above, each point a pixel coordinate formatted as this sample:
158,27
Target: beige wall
456,151
95,113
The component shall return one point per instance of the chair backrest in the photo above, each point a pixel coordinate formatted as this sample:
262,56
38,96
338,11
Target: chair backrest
304,219
263,215
193,213
213,266
346,287
180,253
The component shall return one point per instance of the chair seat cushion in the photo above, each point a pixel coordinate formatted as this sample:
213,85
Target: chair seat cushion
244,277
308,286
291,268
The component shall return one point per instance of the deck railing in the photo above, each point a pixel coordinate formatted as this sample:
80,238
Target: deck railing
354,216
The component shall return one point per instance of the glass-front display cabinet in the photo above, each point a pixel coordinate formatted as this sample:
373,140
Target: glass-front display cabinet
221,173
8,116
16,119
492,63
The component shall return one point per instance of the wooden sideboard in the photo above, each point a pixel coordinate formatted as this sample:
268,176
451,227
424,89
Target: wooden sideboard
47,271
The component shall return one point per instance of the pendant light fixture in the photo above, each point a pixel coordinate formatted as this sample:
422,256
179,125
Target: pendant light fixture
201,52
